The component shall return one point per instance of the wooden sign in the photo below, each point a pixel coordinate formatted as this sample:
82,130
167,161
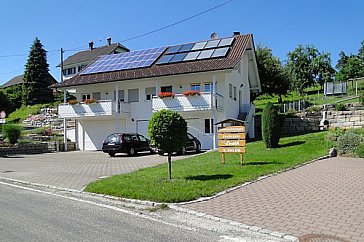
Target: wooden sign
232,149
232,129
231,139
232,143
231,136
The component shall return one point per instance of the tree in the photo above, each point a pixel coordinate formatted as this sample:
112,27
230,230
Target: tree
36,77
5,104
307,66
350,66
14,94
271,131
271,73
168,131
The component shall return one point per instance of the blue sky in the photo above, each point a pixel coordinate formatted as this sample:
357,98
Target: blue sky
330,25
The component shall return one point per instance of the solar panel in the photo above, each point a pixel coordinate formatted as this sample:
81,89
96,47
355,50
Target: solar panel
124,61
212,44
220,52
199,45
186,47
173,49
165,59
205,54
191,56
178,57
226,42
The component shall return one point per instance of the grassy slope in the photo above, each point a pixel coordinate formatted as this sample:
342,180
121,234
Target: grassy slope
204,175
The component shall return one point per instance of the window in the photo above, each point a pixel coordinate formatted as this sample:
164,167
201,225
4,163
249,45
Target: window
208,87
81,67
133,95
230,91
234,93
149,92
166,89
69,71
121,96
96,95
209,126
142,138
86,96
196,87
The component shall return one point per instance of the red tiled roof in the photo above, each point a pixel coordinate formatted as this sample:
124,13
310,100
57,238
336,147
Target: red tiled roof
233,57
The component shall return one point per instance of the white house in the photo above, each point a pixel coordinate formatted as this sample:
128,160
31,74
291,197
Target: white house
78,61
128,87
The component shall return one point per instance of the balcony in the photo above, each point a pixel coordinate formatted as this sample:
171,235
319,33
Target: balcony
181,102
99,108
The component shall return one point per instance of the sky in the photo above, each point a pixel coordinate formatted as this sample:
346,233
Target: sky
330,25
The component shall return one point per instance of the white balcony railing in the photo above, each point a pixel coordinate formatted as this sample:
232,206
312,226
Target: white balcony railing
99,108
180,102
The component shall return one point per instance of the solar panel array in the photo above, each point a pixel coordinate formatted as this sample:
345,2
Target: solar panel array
124,61
197,51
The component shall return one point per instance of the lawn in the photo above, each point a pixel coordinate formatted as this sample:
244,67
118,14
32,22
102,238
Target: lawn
204,175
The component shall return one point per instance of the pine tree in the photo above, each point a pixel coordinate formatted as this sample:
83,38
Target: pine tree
36,77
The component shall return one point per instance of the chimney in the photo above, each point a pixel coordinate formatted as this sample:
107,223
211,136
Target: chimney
91,45
108,40
236,33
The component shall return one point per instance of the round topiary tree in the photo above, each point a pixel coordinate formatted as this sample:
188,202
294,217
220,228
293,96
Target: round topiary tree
168,131
12,133
271,130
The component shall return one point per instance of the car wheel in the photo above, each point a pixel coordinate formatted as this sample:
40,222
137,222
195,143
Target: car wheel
111,154
132,151
198,148
152,151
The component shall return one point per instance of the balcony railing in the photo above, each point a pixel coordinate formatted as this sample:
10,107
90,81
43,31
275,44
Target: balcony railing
180,102
99,108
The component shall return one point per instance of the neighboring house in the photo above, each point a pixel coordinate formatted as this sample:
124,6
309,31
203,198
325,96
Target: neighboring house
77,62
13,81
128,87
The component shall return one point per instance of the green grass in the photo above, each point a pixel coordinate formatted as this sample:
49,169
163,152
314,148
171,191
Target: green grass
204,175
23,112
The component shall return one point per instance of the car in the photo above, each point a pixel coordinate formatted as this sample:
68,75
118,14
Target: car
192,143
130,143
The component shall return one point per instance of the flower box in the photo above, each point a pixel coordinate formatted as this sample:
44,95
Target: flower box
72,102
90,101
166,94
191,93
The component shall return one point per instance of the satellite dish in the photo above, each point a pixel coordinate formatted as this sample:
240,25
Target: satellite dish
214,36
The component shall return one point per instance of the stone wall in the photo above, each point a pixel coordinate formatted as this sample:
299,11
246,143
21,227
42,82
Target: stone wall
346,119
303,124
54,146
24,148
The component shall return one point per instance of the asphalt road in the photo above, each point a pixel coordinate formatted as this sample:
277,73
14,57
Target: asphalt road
27,215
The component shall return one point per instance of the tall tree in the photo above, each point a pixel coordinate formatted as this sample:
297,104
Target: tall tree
36,77
350,66
306,66
272,76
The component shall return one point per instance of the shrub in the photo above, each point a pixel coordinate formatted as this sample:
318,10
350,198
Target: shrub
334,133
271,131
12,132
360,150
358,131
348,142
361,98
340,107
314,108
166,94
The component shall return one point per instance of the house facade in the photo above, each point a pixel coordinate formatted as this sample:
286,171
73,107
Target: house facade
127,98
77,62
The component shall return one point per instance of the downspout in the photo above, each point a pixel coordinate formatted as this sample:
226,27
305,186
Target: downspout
214,94
117,108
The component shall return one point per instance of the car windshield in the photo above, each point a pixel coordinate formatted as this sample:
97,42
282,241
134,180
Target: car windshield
189,136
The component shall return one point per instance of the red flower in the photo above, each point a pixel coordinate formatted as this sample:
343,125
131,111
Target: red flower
166,94
191,93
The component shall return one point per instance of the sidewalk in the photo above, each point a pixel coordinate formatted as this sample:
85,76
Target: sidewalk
324,197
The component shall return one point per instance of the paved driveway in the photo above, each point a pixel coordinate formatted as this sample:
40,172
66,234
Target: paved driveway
73,169
324,197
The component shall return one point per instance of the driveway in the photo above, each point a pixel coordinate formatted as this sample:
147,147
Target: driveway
74,169
324,197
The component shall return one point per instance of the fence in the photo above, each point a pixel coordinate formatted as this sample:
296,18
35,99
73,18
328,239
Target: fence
297,106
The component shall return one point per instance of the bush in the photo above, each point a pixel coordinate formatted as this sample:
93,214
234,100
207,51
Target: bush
348,142
340,107
271,131
360,150
334,133
314,108
358,131
361,98
12,133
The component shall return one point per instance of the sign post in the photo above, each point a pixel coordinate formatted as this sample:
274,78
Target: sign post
232,140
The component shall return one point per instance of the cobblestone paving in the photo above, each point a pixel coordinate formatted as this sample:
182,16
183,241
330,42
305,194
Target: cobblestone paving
73,169
324,197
